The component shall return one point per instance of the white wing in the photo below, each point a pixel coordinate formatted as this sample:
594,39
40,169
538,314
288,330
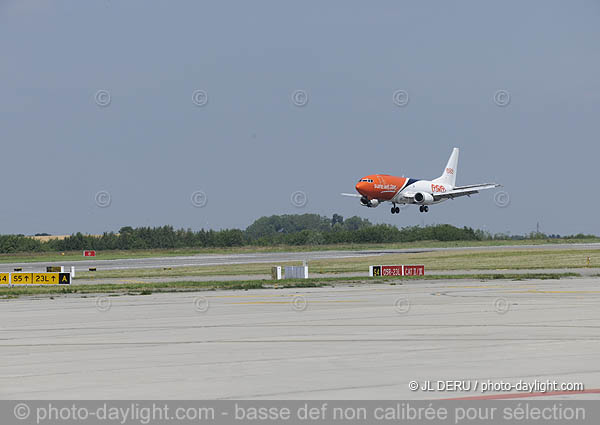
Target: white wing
351,195
464,191
456,192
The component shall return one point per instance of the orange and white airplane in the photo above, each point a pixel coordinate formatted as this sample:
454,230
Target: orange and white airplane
377,188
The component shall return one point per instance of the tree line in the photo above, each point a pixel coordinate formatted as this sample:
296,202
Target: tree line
300,229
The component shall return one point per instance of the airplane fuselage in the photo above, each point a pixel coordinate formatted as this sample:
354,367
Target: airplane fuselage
383,187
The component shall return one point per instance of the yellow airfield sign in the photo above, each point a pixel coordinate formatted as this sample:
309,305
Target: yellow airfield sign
19,278
45,278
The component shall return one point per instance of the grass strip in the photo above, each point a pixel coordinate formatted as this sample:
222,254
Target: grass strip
186,286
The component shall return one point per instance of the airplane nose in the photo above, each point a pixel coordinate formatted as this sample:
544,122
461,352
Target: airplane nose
360,187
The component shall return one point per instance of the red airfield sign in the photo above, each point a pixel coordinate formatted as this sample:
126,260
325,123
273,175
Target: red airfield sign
402,270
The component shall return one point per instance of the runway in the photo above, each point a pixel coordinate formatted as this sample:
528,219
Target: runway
360,342
263,257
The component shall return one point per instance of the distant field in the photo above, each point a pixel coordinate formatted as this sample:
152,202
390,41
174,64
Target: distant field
112,255
49,238
510,259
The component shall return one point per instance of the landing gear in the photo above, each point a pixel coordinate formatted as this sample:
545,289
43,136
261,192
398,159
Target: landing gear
423,208
395,209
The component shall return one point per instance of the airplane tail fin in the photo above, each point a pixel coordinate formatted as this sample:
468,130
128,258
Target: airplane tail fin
449,175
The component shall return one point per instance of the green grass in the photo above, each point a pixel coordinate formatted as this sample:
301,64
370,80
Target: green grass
127,254
185,286
509,259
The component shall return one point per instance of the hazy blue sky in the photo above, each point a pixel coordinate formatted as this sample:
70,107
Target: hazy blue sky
249,148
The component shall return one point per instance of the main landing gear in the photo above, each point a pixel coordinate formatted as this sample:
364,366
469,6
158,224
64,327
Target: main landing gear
423,208
395,209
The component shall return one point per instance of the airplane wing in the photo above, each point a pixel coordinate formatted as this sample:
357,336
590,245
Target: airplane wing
464,191
457,191
351,195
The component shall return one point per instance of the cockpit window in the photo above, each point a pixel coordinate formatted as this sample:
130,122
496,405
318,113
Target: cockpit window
366,180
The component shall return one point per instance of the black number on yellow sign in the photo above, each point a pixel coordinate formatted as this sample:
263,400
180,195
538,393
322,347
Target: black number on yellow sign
45,278
22,278
4,278
376,270
64,278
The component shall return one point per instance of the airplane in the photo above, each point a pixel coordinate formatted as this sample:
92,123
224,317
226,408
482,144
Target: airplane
375,189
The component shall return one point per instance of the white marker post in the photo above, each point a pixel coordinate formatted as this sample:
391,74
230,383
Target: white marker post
276,273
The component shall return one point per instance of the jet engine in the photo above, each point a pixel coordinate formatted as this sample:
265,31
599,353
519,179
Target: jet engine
423,198
366,202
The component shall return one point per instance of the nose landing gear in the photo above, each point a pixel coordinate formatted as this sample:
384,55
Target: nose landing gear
395,209
423,208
